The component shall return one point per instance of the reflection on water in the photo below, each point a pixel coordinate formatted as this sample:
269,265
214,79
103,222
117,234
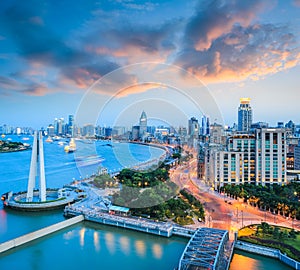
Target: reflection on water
3,223
125,244
245,260
110,242
140,247
69,235
157,251
96,241
81,236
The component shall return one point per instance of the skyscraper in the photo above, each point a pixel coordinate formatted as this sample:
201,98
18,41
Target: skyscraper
205,125
71,125
143,124
244,115
59,127
193,128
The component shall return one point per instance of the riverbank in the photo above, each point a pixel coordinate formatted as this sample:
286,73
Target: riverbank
265,251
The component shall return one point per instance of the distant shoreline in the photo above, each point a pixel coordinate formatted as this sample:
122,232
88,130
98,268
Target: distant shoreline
8,147
13,150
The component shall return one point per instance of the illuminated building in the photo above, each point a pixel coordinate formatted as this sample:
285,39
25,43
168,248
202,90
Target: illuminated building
258,158
244,115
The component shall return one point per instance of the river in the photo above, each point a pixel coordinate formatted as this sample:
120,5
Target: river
88,245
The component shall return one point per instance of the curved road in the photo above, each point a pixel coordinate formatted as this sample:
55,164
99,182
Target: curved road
223,212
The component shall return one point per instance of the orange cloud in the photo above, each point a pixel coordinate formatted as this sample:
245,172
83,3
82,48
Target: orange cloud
130,53
139,88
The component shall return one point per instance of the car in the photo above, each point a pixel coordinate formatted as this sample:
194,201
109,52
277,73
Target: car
229,202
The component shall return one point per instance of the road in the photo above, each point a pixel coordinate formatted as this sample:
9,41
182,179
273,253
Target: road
223,212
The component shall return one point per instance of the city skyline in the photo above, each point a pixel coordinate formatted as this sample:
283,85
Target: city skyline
235,49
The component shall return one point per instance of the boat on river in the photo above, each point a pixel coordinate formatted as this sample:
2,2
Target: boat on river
88,160
71,147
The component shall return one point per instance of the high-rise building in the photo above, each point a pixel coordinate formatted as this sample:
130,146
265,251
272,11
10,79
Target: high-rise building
193,129
193,132
258,158
236,165
271,146
143,125
216,133
59,126
50,130
108,132
182,131
88,130
204,125
297,157
135,133
244,115
291,125
71,125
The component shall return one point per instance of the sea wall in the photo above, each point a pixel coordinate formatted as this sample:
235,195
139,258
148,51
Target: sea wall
39,233
265,251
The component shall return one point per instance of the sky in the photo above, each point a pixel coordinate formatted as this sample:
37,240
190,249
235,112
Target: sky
107,61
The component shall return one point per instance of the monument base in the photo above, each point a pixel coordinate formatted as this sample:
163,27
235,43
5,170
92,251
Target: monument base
18,201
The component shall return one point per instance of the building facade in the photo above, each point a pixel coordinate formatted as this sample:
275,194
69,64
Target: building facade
271,145
258,158
216,134
297,157
193,129
236,165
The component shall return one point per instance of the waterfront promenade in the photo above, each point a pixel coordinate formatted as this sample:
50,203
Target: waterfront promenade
165,229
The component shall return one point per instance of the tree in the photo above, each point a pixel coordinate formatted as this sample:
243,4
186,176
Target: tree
292,234
265,227
276,233
236,191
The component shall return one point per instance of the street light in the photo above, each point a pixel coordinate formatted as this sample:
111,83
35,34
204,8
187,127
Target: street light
242,218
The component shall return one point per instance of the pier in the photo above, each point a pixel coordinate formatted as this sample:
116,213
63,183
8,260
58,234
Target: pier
39,233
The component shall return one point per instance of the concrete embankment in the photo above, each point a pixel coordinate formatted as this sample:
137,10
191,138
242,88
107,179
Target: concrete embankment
269,252
39,233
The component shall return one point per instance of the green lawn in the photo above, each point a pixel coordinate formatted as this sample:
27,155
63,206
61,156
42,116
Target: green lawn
294,242
285,239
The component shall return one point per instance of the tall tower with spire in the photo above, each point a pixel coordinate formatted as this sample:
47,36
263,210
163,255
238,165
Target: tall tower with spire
244,115
143,124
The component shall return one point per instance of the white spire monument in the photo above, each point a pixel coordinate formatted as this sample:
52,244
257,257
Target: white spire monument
37,156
